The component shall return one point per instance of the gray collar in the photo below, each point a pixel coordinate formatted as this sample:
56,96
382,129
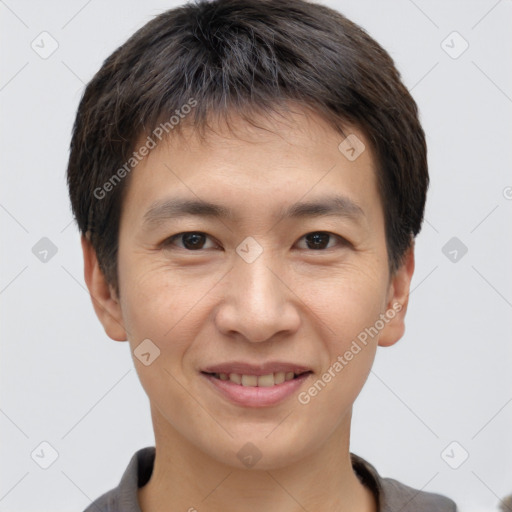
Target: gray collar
390,495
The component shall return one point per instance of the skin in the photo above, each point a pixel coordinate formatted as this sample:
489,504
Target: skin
293,303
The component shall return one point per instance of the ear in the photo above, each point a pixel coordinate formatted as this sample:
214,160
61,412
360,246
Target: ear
104,300
397,300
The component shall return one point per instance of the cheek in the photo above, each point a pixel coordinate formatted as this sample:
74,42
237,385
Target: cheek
162,309
348,310
164,305
347,303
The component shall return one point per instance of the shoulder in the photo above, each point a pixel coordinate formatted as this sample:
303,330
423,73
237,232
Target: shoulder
392,496
123,498
107,502
398,496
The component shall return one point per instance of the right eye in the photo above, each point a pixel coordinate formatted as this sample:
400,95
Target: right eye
190,240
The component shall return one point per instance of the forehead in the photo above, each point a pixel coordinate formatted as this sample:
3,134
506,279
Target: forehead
275,160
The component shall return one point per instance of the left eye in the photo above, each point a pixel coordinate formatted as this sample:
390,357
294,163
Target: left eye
319,240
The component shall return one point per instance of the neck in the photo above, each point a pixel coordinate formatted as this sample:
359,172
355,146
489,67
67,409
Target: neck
186,479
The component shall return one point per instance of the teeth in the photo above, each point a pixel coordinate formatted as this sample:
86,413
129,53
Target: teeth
279,377
234,377
249,380
262,381
265,381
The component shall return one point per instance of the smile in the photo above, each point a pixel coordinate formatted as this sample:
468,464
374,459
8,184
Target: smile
261,381
256,385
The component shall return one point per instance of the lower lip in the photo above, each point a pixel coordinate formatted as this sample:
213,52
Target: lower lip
254,396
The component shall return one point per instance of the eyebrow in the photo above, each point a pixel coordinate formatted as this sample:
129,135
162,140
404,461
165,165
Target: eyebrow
172,208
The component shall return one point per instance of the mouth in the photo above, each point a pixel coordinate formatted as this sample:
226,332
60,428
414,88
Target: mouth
256,385
262,381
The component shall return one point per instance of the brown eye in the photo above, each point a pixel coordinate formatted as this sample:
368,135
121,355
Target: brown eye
319,240
191,241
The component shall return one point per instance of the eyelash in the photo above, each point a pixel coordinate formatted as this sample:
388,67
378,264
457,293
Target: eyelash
170,241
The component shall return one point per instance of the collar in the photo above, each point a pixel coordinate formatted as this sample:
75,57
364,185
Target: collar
390,495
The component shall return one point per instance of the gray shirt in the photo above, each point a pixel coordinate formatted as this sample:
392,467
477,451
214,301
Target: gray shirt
391,496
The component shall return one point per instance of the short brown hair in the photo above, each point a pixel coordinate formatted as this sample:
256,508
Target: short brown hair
245,57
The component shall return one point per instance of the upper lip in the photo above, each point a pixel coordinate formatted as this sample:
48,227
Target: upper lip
243,368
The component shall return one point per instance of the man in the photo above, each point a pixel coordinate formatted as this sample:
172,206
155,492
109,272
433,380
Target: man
248,177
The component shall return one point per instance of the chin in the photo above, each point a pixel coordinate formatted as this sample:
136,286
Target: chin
258,452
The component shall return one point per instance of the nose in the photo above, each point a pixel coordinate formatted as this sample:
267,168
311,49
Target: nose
258,304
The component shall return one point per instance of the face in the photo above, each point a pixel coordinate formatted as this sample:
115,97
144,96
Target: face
256,266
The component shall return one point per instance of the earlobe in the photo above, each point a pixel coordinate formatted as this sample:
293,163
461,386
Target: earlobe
105,303
398,299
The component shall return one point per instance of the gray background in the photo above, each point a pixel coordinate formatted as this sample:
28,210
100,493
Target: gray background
65,382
